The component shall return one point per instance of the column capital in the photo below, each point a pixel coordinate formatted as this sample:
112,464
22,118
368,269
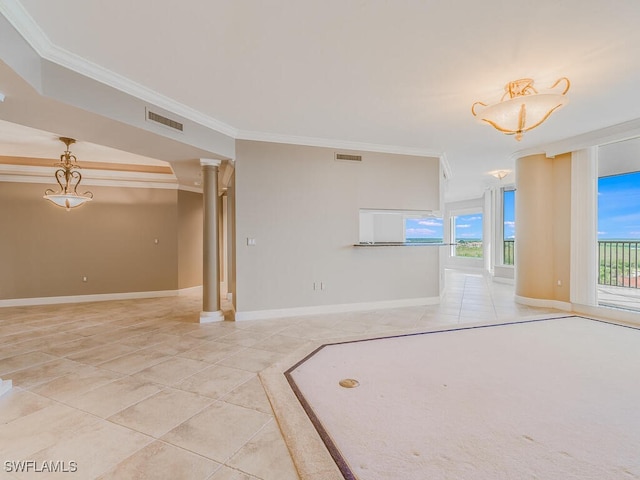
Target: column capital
210,162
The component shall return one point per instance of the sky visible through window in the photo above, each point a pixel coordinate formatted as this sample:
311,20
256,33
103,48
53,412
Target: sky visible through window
619,207
618,214
509,214
468,227
424,229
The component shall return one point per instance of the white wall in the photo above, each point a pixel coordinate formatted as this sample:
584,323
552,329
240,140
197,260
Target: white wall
376,226
302,208
618,158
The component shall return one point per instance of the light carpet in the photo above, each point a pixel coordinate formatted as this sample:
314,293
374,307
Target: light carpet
549,399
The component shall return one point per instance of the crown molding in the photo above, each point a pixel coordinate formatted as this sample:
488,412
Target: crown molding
90,183
30,162
595,138
189,188
40,42
333,143
18,16
106,178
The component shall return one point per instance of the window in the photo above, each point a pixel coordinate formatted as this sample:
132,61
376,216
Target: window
423,230
399,226
508,226
467,235
619,230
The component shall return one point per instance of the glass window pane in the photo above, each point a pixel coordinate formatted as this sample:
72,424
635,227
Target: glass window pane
424,230
508,226
618,236
467,233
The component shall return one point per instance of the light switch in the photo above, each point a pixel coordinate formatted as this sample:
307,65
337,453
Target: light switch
251,242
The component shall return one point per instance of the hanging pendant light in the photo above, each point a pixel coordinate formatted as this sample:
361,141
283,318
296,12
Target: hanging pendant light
68,178
522,107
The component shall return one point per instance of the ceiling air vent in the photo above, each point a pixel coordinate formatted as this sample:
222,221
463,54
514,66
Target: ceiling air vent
348,158
154,117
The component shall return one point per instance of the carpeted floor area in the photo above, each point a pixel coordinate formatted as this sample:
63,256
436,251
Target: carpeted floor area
552,399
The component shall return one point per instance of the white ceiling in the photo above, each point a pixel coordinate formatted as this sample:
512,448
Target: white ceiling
399,74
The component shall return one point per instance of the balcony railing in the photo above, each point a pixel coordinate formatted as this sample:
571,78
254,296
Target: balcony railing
619,263
507,252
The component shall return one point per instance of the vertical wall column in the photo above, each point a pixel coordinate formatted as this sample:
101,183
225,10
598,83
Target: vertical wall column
210,269
534,252
584,226
543,231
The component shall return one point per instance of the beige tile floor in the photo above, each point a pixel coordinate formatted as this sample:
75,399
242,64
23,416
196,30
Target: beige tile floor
138,389
626,298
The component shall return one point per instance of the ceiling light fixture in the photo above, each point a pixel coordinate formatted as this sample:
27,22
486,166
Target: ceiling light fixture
522,107
68,178
500,174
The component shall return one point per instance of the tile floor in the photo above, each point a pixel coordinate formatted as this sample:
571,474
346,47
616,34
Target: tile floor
138,389
626,298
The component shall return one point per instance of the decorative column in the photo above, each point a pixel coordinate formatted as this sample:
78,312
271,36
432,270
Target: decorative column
5,386
210,272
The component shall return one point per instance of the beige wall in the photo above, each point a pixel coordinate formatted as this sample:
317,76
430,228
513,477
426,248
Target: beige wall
45,250
189,239
562,226
543,227
302,208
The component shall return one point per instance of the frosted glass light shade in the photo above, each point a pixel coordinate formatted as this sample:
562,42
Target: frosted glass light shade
523,110
67,200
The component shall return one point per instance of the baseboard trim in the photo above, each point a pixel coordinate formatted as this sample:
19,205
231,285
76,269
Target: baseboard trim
608,313
100,297
190,290
544,303
504,280
339,308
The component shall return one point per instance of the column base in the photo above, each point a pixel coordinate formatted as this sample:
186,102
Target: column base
210,317
5,386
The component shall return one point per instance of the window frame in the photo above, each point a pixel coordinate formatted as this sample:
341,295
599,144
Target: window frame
501,221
